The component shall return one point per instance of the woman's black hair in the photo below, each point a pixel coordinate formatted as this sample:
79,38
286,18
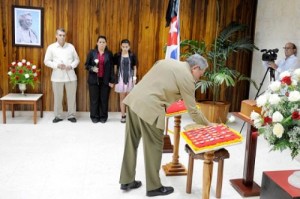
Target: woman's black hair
102,37
125,41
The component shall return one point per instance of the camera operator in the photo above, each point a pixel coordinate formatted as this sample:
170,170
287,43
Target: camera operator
290,63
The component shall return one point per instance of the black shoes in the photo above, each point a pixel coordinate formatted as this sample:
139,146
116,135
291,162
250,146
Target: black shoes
94,120
123,119
56,119
133,185
103,120
160,191
72,119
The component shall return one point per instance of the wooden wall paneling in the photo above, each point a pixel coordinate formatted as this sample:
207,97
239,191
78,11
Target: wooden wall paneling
117,31
50,15
151,37
142,22
4,49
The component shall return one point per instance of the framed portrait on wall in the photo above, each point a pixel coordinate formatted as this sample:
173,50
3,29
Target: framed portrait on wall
27,27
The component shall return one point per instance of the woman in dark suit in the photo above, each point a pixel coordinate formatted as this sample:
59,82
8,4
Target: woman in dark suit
99,63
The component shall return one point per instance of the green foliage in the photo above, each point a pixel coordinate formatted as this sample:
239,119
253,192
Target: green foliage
217,54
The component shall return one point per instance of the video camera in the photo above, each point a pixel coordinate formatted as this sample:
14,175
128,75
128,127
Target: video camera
269,55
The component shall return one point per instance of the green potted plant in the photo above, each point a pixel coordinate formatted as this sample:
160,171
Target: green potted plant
219,74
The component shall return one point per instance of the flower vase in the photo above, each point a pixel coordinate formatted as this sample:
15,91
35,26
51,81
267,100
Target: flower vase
22,88
294,179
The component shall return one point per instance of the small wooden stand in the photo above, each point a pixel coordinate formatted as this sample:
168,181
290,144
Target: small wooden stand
175,168
168,147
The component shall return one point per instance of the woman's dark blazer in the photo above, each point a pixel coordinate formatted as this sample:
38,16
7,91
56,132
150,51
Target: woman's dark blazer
108,76
117,61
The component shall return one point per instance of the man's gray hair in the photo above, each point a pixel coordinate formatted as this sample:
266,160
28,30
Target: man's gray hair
197,60
60,29
22,17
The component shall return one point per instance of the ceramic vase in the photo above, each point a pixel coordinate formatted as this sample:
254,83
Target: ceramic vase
22,88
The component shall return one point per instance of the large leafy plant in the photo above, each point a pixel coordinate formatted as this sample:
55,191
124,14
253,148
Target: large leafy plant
225,44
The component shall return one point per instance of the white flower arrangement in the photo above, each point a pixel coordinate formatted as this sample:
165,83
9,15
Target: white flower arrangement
279,121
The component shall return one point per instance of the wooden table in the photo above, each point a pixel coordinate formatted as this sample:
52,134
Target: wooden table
246,187
17,98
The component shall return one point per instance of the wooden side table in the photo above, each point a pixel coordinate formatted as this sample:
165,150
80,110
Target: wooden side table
16,98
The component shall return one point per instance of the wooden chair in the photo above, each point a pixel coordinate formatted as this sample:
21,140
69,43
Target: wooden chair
219,156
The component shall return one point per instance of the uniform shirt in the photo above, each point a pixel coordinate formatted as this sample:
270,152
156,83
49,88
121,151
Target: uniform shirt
167,82
57,54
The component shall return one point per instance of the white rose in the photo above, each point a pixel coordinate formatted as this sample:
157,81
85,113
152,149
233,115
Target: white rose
231,119
23,60
297,74
28,63
275,86
13,63
33,67
294,96
284,74
278,130
26,76
96,61
20,64
257,123
294,82
254,115
9,73
277,117
261,100
34,74
274,99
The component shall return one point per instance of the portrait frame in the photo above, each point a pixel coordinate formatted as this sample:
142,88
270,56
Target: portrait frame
27,26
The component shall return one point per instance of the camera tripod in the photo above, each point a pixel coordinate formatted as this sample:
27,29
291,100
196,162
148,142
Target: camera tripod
272,78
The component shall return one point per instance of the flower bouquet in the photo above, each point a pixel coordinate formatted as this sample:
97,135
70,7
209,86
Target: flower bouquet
279,121
23,72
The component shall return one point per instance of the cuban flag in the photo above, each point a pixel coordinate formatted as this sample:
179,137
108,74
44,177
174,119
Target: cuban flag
172,18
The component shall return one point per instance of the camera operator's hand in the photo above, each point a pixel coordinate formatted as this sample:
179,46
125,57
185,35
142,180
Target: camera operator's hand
272,64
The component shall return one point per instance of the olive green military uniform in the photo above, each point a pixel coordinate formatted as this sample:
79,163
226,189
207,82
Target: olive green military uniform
168,81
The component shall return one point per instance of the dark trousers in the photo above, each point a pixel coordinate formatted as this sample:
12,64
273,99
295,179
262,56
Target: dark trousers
152,138
99,95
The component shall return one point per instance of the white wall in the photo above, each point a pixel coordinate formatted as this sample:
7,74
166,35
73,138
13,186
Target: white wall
277,22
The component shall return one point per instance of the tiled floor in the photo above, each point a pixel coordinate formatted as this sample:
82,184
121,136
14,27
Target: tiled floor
82,160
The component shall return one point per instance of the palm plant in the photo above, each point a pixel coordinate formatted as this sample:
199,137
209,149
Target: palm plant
225,43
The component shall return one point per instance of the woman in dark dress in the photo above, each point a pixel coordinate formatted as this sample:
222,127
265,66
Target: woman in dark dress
125,69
